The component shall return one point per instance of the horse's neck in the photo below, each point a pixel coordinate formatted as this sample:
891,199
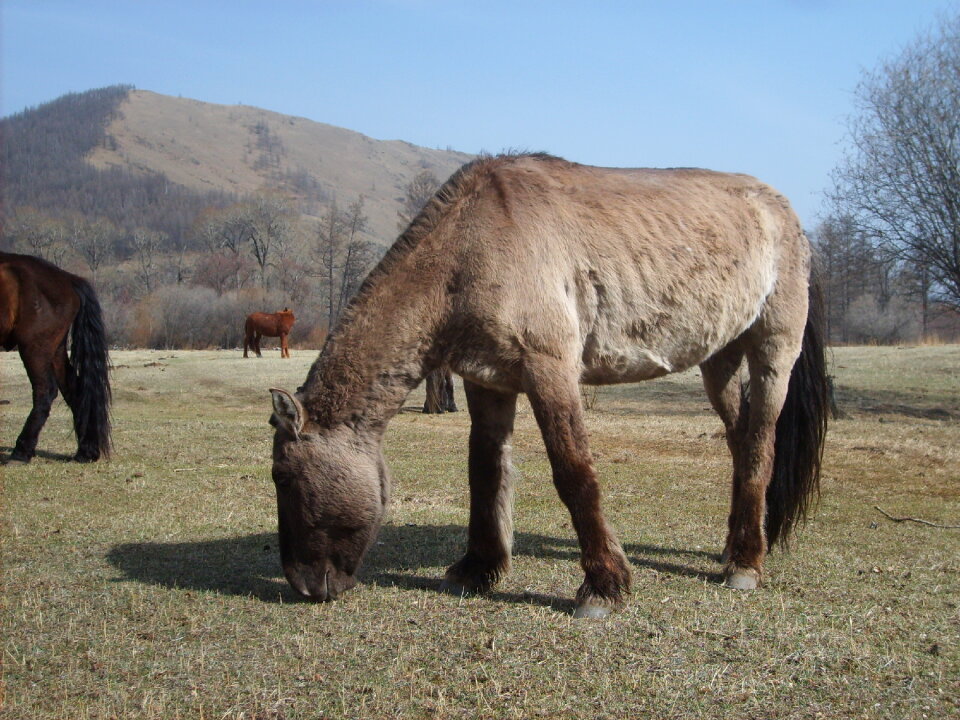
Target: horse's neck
375,357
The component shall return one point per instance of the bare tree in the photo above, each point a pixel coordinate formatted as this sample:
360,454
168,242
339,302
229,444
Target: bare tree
901,181
418,192
343,255
38,234
93,241
271,224
146,246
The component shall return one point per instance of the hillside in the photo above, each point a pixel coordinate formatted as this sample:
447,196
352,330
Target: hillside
240,150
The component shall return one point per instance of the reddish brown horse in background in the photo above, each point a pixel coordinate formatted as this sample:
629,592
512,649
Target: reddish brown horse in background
260,324
39,304
531,274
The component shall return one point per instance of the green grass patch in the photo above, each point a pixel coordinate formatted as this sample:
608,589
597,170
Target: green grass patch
149,586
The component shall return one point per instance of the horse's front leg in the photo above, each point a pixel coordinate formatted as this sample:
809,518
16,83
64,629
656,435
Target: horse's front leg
553,389
490,534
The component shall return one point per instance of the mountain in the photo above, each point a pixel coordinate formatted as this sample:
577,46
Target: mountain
240,149
205,154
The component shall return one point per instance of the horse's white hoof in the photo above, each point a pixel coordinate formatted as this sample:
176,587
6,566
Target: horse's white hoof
590,612
743,579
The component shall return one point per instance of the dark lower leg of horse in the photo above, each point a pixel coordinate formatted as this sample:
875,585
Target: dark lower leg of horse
26,445
746,544
88,441
490,534
555,398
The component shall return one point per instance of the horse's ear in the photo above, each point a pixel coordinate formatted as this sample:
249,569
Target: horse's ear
288,411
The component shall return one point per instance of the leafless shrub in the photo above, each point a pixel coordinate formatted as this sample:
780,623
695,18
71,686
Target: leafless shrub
869,321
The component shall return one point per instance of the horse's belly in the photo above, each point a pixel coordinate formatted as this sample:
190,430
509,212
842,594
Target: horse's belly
603,366
628,355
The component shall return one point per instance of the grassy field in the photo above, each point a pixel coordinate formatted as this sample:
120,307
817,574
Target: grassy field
149,586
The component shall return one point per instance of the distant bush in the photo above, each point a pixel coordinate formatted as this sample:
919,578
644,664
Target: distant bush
869,321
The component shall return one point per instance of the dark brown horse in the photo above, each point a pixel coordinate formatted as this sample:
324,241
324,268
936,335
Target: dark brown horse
439,387
39,304
260,324
531,274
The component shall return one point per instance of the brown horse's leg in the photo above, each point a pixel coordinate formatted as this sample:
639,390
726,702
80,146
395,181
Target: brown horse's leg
770,364
490,535
246,342
553,390
256,343
284,348
721,379
63,373
44,385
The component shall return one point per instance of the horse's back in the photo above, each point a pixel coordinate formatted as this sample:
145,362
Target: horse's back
632,273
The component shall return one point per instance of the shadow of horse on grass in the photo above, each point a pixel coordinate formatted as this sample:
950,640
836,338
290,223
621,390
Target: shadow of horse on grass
250,565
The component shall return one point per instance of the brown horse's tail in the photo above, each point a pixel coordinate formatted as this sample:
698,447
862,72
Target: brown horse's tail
91,381
801,430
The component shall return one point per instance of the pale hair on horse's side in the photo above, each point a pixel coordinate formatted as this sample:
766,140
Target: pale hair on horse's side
530,274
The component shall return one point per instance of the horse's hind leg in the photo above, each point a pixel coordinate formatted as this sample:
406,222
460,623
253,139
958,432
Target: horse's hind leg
63,373
256,343
553,390
490,534
770,362
721,380
44,385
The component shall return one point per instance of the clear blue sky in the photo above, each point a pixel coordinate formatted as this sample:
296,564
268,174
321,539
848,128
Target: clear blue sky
756,86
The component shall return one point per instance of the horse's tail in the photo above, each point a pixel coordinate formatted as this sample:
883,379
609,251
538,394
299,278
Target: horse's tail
801,430
91,381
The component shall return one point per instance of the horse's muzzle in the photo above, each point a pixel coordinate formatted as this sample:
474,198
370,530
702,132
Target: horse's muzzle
317,586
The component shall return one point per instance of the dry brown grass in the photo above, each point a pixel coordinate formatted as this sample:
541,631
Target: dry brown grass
149,586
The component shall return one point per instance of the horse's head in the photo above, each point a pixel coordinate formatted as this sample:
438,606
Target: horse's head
332,494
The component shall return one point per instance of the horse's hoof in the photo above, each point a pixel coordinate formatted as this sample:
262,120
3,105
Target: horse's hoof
588,611
15,462
743,579
451,587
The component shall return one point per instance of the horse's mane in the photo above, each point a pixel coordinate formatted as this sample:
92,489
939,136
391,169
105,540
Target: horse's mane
456,189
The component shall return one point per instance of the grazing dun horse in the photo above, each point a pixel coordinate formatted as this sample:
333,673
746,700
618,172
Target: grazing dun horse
260,324
531,274
40,305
